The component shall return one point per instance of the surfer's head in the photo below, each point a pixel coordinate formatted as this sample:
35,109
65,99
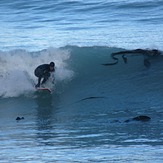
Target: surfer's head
52,65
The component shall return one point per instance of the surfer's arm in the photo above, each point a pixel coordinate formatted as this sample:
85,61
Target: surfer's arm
45,71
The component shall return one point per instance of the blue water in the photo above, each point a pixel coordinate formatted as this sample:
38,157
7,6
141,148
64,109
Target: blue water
83,119
37,24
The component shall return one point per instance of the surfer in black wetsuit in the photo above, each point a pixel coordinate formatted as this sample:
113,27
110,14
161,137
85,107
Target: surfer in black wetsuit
43,71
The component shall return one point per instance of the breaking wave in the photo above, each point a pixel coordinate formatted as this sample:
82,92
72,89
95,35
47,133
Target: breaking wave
80,69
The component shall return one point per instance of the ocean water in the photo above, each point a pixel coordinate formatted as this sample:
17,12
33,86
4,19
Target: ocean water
84,118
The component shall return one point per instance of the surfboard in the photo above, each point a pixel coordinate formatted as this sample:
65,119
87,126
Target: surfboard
44,89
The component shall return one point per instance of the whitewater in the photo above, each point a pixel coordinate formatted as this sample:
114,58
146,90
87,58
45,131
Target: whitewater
90,114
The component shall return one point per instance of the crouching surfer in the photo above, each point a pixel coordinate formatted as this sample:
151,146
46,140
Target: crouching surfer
43,72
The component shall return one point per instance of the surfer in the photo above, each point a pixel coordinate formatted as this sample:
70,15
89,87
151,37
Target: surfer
43,71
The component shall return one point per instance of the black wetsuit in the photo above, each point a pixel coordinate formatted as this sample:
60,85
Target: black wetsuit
43,71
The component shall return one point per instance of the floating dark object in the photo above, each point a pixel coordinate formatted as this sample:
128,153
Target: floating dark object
142,118
91,97
18,118
144,52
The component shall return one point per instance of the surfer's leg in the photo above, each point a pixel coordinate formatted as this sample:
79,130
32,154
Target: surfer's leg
38,84
46,77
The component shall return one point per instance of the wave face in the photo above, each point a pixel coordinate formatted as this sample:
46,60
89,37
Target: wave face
80,74
121,84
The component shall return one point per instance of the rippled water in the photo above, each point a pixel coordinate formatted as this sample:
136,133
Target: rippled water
83,120
53,132
36,24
